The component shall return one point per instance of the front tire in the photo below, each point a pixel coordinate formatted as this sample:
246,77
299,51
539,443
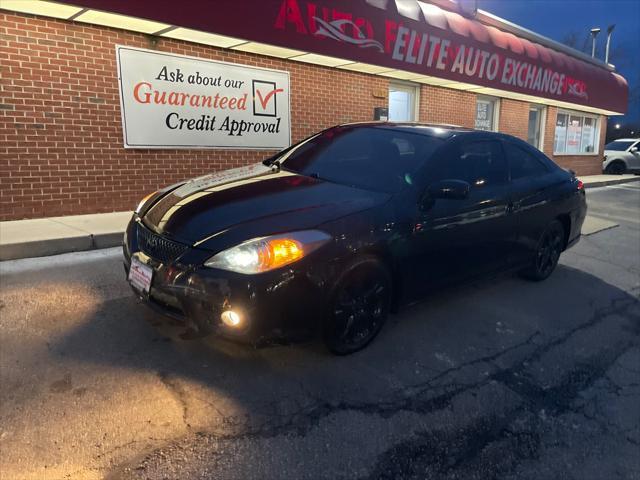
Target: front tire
548,252
358,306
616,167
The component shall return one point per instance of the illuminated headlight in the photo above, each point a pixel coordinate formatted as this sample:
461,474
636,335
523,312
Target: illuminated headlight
143,201
267,253
231,319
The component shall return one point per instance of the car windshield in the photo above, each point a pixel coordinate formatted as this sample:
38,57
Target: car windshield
374,158
618,145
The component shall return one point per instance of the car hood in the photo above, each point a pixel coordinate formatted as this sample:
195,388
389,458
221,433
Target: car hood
252,201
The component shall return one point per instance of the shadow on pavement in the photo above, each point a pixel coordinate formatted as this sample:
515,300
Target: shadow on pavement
452,385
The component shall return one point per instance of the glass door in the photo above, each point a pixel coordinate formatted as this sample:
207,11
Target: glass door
402,103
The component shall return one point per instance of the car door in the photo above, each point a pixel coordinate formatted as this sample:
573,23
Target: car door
633,157
456,238
531,197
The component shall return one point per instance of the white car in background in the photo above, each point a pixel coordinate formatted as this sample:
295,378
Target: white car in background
622,156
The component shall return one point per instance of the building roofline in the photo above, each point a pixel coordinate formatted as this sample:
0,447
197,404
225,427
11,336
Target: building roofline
498,22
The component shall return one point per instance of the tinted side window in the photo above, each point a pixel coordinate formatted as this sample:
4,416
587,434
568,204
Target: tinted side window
522,163
376,158
480,163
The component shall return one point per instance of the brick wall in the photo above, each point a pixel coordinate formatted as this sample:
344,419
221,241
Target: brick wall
60,128
445,105
514,118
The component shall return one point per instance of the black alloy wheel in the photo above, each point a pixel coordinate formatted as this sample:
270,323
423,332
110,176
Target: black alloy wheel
358,307
548,253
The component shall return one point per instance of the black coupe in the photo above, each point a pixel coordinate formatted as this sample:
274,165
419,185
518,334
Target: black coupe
333,233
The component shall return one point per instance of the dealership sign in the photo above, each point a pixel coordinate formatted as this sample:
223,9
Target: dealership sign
174,101
408,35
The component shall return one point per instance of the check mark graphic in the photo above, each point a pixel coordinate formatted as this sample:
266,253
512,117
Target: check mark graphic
264,100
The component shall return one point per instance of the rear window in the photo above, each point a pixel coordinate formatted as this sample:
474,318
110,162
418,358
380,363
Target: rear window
380,159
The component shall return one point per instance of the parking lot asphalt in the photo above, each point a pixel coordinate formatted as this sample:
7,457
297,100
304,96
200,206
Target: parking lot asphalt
500,378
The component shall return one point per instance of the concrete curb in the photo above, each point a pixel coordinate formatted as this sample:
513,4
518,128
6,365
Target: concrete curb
56,246
55,235
606,183
42,248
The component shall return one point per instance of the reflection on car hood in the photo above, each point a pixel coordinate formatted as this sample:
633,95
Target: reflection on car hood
258,201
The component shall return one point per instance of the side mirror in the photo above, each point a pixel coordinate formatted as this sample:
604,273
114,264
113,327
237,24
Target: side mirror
634,150
452,189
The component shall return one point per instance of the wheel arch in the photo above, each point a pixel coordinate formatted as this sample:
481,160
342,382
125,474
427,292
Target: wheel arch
617,160
387,259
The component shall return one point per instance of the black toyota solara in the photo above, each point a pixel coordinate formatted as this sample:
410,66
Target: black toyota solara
330,235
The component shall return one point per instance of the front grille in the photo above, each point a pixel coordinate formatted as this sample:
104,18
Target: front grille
158,247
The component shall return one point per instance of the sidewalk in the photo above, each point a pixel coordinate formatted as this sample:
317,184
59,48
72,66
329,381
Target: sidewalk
50,236
591,181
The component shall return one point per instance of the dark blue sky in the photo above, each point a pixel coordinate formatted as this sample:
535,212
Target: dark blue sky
557,18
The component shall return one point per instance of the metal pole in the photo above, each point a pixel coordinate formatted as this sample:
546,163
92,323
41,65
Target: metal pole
609,31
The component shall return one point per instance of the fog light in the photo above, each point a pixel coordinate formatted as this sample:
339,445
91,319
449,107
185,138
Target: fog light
230,318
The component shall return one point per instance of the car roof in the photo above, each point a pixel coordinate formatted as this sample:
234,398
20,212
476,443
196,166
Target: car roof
625,140
439,129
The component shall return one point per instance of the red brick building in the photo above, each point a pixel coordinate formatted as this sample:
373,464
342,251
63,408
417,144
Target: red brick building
60,109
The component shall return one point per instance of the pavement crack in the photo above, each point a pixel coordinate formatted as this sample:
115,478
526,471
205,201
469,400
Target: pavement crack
516,435
178,393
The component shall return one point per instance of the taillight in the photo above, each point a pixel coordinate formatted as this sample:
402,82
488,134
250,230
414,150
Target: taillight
580,185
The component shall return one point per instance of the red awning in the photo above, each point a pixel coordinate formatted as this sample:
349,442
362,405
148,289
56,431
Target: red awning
406,35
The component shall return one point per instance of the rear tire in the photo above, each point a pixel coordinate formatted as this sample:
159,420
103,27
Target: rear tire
358,306
616,167
548,252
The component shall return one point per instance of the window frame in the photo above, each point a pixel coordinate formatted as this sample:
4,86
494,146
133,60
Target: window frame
583,116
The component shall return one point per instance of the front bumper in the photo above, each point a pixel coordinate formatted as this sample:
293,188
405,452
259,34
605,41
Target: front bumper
282,303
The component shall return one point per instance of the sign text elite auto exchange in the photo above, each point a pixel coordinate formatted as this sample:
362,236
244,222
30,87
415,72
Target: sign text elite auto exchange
428,52
175,101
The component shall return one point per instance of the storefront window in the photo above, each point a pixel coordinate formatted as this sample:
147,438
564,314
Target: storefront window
588,143
534,132
486,114
560,139
575,134
574,128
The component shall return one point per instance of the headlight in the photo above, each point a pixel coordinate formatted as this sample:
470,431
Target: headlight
143,201
267,253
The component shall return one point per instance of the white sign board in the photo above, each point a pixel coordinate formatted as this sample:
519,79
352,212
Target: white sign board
174,101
